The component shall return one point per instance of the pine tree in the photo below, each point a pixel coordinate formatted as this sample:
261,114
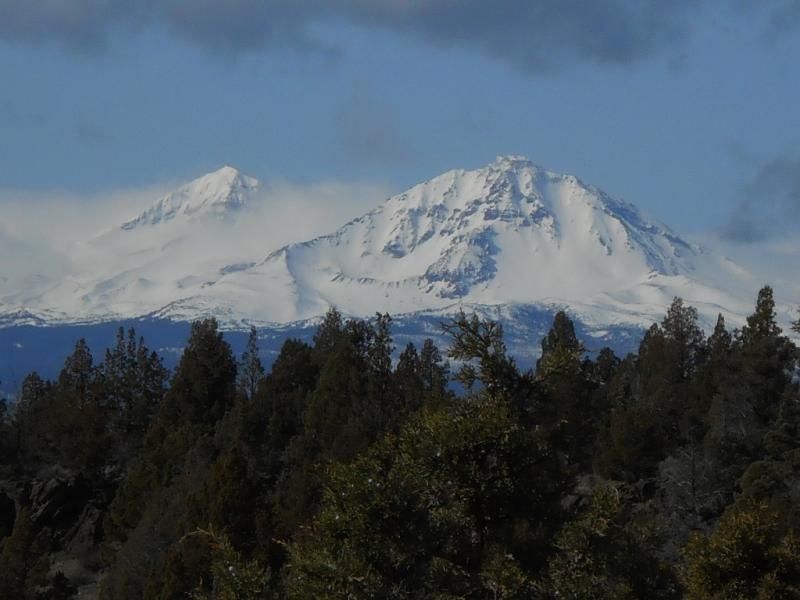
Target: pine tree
606,366
251,371
478,345
202,389
767,358
133,383
681,329
459,503
78,376
605,553
566,410
407,380
434,372
762,323
328,333
749,555
204,384
561,350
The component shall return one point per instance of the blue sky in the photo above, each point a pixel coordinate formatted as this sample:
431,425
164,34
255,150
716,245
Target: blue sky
687,109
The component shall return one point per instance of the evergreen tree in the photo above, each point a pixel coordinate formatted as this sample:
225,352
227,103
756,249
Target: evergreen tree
653,416
78,377
134,382
478,345
434,373
341,476
407,380
329,333
350,407
31,420
775,478
606,366
605,553
251,371
21,560
686,338
561,350
202,389
566,407
749,555
456,504
232,576
635,436
767,358
714,374
203,386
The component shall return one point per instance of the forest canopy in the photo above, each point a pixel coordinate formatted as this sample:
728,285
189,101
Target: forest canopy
352,469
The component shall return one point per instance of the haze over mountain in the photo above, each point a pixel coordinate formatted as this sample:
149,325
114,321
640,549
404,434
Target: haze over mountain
508,235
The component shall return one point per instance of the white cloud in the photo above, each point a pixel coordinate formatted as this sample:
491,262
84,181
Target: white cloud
298,212
769,262
41,232
56,219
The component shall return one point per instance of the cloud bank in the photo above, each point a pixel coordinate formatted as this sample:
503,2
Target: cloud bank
40,232
534,35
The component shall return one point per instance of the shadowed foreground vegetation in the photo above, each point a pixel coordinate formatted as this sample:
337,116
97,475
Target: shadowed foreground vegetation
671,473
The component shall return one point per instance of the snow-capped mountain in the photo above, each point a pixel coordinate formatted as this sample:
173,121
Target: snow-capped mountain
495,239
143,263
508,233
220,195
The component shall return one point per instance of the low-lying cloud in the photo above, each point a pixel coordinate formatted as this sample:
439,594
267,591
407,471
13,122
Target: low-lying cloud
534,35
39,231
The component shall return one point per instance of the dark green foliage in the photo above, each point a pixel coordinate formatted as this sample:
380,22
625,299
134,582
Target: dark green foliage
203,386
605,552
561,350
350,471
420,379
749,555
8,441
479,346
606,366
232,577
66,422
351,405
134,382
21,560
251,371
652,409
171,467
767,358
566,393
460,502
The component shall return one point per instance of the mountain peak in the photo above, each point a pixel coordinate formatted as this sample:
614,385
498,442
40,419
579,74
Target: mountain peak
219,194
506,161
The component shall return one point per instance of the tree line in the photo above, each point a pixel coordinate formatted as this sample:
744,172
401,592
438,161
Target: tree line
673,472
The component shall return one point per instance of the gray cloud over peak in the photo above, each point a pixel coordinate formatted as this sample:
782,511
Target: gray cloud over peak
534,35
770,203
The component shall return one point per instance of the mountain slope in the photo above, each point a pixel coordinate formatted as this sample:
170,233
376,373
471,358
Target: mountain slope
510,234
168,251
217,195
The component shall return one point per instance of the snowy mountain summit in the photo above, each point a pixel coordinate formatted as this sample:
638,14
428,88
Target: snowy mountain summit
508,233
496,239
219,194
508,228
